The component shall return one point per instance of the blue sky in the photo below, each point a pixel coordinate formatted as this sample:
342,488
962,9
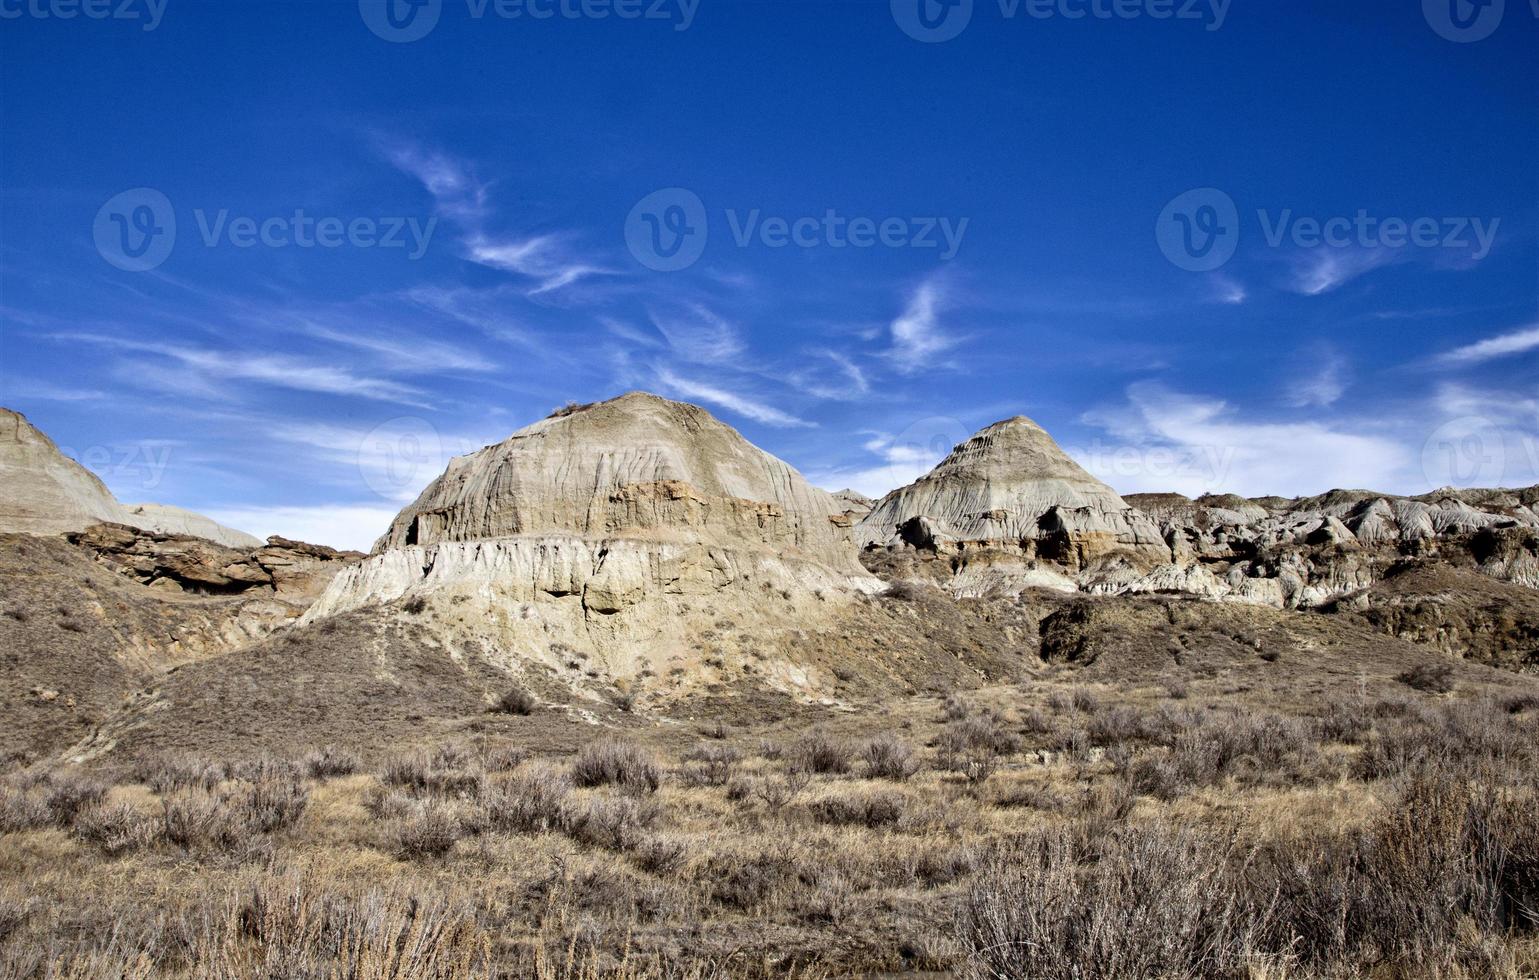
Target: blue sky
868,244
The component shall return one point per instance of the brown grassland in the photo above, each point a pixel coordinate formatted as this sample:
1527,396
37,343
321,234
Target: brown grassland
1050,829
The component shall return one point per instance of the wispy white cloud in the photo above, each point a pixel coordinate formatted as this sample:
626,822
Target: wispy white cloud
347,526
696,334
1502,345
415,354
839,379
1165,440
279,371
393,459
547,258
1321,379
731,401
1324,269
900,459
917,335
456,191
1227,290
44,392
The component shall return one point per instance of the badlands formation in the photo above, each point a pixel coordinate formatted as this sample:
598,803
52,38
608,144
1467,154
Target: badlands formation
42,491
639,555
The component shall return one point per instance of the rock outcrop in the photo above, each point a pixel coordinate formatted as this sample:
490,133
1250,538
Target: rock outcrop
292,571
43,491
165,519
617,527
1009,509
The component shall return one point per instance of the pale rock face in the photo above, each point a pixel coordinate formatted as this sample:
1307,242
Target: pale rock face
637,466
607,526
165,519
1009,483
42,491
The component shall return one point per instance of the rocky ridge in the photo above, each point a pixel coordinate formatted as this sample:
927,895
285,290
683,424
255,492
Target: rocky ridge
42,491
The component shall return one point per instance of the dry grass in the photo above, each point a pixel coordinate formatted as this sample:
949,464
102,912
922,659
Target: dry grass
1105,836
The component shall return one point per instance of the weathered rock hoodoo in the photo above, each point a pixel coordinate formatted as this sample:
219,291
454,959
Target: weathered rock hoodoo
619,521
1009,510
1008,506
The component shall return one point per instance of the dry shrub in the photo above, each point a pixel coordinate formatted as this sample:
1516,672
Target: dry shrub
447,771
1434,887
529,802
1346,724
116,828
196,819
292,926
70,793
867,809
710,765
168,773
973,746
330,760
273,802
1148,905
819,752
233,817
429,829
22,810
618,823
504,758
659,854
1431,678
617,764
516,701
779,790
888,757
